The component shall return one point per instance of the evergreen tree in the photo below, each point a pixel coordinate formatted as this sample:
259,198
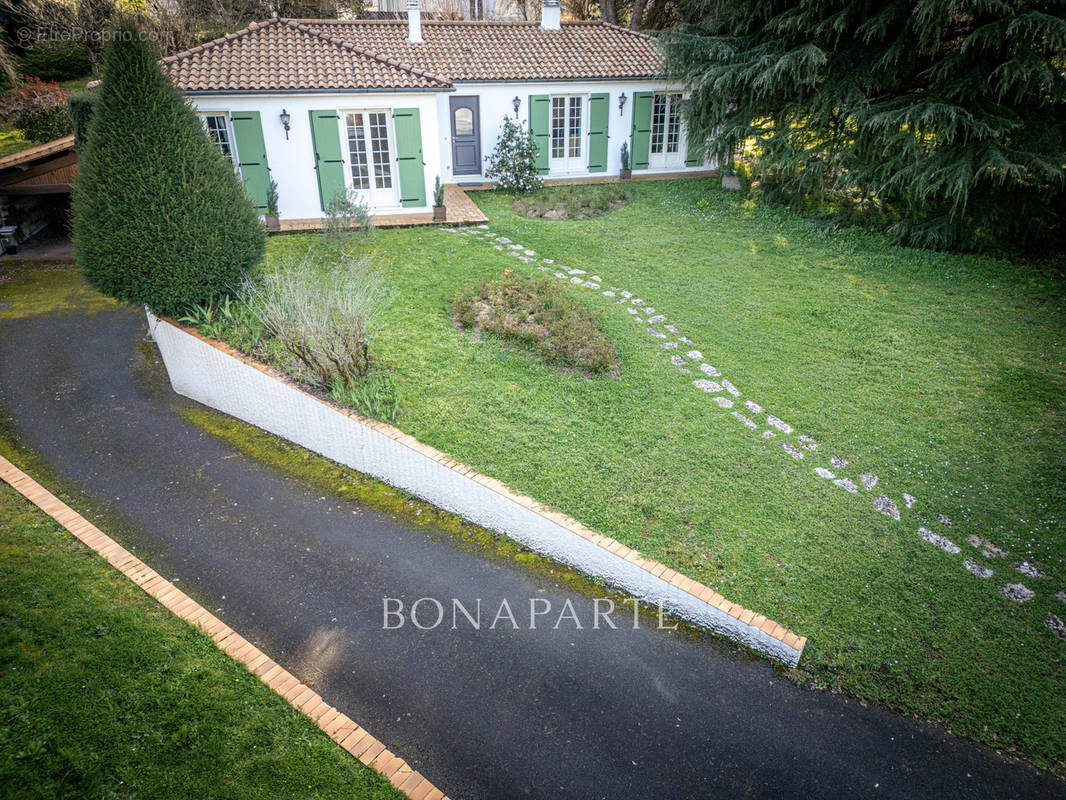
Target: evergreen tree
160,217
945,121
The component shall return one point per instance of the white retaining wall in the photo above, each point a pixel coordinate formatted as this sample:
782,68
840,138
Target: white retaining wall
211,376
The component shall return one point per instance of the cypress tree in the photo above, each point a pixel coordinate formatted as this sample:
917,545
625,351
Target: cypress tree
944,121
160,217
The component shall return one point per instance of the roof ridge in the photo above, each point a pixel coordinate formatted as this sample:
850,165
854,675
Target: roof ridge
229,37
630,31
391,62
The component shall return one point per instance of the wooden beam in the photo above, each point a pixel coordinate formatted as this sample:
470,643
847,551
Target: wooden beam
40,188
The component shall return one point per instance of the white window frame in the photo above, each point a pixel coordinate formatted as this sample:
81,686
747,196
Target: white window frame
665,160
566,165
374,197
204,114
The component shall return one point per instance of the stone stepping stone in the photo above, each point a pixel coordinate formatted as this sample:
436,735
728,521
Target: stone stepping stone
724,402
608,294
558,275
781,425
733,390
656,334
543,269
670,328
1061,596
936,539
616,288
944,520
706,385
670,344
753,407
637,302
590,285
677,361
869,480
576,271
483,227
822,472
886,507
530,252
976,569
656,318
791,450
527,259
514,247
807,442
847,483
695,355
747,423
1018,592
632,311
1027,569
909,500
576,281
1055,625
503,240
596,278
768,434
685,340
549,261
497,247
988,550
626,294
838,462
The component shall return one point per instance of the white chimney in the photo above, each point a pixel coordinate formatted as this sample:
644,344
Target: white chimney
414,23
549,15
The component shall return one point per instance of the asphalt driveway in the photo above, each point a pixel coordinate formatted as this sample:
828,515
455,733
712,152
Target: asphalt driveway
501,713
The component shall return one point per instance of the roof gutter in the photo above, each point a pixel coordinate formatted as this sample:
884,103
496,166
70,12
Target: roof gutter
287,92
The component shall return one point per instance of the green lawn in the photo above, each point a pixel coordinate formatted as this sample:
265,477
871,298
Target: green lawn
104,693
942,374
12,141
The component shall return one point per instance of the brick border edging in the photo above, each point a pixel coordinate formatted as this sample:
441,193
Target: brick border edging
339,727
789,646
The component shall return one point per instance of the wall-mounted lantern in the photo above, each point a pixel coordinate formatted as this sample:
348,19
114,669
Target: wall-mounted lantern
621,103
516,103
286,118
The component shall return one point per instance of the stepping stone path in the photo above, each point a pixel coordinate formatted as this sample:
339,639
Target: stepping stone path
774,425
1055,625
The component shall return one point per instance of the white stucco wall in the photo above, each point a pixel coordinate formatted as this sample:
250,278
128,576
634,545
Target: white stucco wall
207,374
496,101
292,161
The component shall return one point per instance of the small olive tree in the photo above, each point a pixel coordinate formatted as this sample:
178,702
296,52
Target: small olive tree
513,164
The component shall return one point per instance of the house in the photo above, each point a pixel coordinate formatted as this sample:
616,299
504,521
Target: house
384,107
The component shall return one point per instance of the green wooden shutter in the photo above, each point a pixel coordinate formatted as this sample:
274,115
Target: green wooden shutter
599,113
409,157
251,156
539,115
694,156
640,145
329,165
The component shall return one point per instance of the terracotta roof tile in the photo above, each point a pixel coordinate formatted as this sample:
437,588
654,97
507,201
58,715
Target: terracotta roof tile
286,55
289,54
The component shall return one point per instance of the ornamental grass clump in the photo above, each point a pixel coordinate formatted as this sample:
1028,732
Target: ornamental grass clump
541,315
321,315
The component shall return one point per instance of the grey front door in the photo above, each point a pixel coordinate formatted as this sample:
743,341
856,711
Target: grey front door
466,136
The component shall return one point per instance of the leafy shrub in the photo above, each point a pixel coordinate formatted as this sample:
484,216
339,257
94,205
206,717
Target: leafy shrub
574,202
38,109
347,216
513,164
81,106
541,315
320,315
160,217
228,320
55,61
374,395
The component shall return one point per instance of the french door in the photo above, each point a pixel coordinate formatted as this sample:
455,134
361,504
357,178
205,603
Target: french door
370,157
567,134
666,146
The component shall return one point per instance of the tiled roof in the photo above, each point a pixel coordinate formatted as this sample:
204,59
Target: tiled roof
289,54
283,54
54,147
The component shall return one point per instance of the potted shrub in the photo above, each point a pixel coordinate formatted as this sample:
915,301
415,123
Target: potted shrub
439,211
625,173
272,222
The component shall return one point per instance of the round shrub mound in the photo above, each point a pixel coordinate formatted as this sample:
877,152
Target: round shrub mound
541,315
160,217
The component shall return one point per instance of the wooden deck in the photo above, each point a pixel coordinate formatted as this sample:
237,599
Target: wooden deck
637,176
461,210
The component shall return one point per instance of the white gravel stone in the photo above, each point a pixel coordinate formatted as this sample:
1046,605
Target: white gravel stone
781,425
724,402
909,500
747,423
886,507
1027,569
753,407
733,390
869,480
977,569
942,542
838,462
706,385
847,483
944,520
768,434
822,472
657,318
1018,592
791,450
